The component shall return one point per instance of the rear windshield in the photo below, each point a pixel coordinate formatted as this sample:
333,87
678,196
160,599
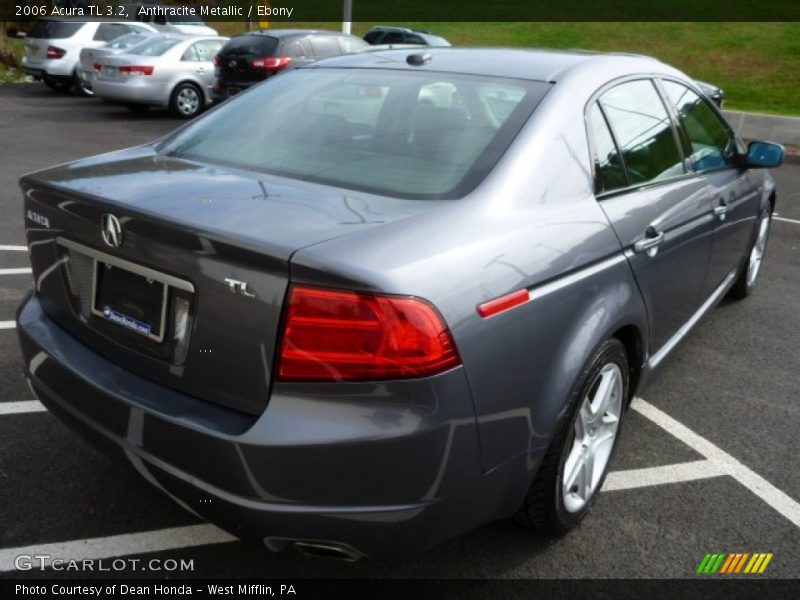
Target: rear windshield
154,47
406,134
126,41
54,30
260,45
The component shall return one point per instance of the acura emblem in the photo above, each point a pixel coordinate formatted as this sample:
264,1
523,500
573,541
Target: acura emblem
112,231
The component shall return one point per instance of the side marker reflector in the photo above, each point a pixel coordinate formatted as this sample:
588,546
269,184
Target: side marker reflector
498,305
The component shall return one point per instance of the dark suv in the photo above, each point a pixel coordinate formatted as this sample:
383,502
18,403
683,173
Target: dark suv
252,57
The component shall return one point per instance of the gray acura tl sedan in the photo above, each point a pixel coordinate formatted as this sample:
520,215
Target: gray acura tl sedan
380,300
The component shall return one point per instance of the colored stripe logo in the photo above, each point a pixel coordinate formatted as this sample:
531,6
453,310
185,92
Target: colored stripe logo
733,563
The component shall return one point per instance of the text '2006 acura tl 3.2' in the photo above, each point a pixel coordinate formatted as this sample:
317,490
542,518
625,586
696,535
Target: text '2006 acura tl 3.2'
380,300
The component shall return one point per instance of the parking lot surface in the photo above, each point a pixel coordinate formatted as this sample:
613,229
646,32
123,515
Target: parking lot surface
708,460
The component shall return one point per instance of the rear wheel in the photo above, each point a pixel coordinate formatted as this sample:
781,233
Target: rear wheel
58,84
186,101
576,463
748,276
83,88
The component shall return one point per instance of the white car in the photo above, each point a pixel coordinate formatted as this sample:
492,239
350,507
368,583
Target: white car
53,47
188,24
166,70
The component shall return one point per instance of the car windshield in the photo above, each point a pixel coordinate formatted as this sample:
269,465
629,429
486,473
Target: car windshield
155,46
407,134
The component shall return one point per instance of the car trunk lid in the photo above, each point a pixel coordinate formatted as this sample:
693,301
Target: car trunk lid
219,240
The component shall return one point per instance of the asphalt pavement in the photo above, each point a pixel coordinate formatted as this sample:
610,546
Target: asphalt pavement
708,460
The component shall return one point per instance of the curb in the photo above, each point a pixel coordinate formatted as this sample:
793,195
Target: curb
771,128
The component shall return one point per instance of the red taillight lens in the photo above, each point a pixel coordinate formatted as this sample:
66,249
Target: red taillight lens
55,52
98,67
335,335
137,70
217,60
271,63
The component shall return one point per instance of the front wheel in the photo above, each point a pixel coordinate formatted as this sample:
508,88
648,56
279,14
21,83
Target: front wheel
576,463
186,101
748,275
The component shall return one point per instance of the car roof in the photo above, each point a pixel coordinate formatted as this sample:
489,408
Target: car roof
395,28
536,65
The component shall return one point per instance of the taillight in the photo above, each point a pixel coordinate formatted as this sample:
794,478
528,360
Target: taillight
137,70
98,67
55,52
333,335
271,63
217,60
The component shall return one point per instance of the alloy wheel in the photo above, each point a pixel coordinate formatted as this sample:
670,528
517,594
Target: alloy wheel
757,253
595,432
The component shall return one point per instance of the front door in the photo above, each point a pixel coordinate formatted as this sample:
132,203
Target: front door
660,212
712,149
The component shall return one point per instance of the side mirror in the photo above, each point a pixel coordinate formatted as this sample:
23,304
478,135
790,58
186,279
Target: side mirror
764,155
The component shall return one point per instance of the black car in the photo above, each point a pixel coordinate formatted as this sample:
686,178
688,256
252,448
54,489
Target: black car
254,56
383,35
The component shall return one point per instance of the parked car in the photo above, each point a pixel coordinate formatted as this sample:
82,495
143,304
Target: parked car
385,35
362,332
252,57
53,46
712,91
144,12
89,56
167,70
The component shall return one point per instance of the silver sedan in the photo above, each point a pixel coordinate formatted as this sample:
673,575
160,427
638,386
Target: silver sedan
172,71
89,56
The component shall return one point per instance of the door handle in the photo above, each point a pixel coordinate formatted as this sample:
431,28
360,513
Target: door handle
650,243
201,70
722,209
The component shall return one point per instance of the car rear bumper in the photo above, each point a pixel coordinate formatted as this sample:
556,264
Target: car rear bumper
51,68
135,91
379,468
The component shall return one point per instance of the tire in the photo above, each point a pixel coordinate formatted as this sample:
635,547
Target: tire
186,101
82,89
551,507
751,266
59,84
137,108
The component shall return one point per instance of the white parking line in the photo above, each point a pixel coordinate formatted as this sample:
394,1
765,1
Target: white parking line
785,220
675,473
120,545
13,248
8,324
762,488
25,406
20,271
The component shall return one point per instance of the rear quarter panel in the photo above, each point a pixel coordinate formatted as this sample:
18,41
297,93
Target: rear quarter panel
534,223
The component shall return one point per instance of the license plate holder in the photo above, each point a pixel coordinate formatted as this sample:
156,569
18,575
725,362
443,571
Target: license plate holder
130,300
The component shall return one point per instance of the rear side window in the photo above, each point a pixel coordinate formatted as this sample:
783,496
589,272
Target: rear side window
643,131
373,37
609,173
710,143
54,30
325,46
250,45
109,31
395,37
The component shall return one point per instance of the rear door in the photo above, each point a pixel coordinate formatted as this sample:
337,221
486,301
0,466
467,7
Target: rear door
712,147
660,212
200,57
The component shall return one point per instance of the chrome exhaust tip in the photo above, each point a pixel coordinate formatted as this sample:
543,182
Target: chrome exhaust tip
331,550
